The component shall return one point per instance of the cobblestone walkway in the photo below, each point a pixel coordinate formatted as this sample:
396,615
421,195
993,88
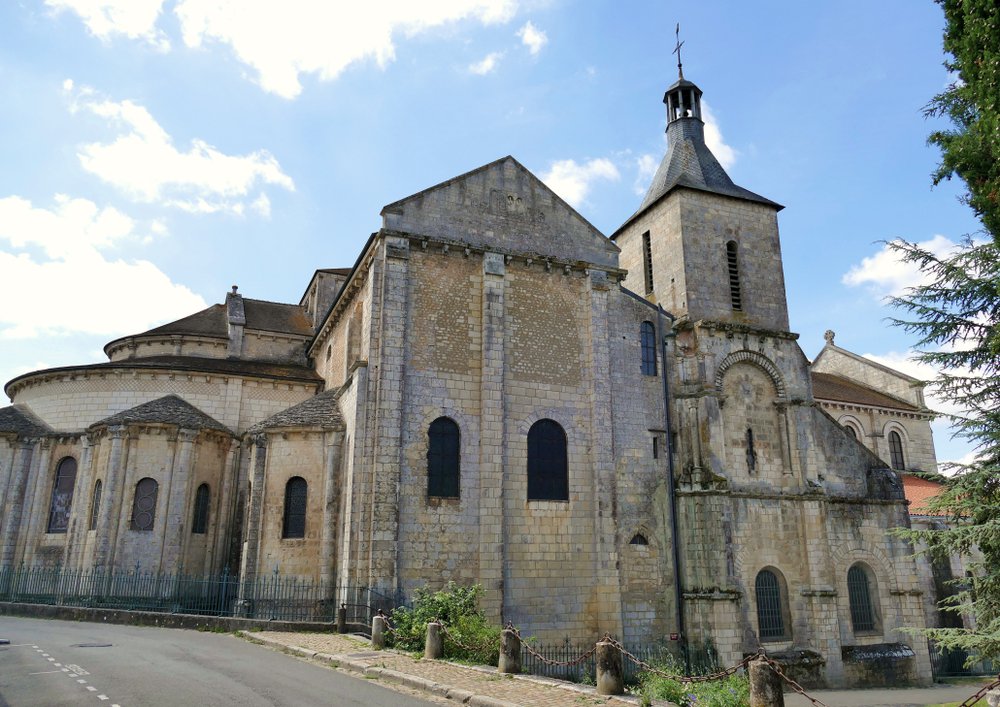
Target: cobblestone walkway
474,686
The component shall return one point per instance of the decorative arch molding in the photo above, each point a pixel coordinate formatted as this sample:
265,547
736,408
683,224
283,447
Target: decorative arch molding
756,359
895,426
846,554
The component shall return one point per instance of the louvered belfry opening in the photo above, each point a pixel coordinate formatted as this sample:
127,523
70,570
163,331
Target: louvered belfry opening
732,260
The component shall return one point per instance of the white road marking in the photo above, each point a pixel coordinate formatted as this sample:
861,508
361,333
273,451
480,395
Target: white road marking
91,688
52,660
58,665
65,670
39,650
32,646
82,682
44,655
102,697
20,645
45,672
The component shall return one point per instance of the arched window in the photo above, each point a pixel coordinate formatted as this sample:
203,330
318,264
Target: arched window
293,524
647,336
851,431
95,504
772,603
443,458
860,582
62,495
200,521
896,451
733,263
638,539
548,471
144,504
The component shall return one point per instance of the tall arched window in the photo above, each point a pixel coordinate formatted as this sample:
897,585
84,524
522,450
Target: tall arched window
200,521
896,451
860,582
772,606
144,504
293,523
62,495
95,504
548,471
647,335
733,264
443,458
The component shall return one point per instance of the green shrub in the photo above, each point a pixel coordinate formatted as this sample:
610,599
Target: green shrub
732,691
469,636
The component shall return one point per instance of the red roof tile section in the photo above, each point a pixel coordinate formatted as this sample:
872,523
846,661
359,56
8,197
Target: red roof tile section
918,491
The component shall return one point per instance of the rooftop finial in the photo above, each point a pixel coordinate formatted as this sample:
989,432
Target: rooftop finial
677,51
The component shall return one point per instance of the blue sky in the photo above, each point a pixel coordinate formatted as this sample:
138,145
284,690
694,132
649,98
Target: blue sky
156,152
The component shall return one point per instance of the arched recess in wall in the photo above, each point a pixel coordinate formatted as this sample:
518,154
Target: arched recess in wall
753,423
853,426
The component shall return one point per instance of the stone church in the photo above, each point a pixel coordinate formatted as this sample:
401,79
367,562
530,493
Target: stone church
609,434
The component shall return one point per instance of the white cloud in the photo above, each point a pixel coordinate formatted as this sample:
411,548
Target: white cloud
886,274
645,169
573,181
282,41
713,138
145,164
532,37
135,19
487,65
55,280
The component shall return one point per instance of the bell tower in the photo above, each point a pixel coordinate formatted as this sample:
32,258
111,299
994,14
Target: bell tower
699,245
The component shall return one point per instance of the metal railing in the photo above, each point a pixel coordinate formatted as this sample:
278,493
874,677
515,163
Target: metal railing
954,663
272,597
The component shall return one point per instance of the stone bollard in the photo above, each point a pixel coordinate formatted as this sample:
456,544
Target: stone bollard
766,689
378,633
993,697
510,652
610,676
342,619
433,643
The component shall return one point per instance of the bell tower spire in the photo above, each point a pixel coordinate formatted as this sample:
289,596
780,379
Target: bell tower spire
683,99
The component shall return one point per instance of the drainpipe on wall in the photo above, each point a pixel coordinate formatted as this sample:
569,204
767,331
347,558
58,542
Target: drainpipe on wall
665,336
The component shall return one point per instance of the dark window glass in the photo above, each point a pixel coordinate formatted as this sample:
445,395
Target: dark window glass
770,606
896,450
751,452
200,521
859,592
638,539
62,495
548,471
647,335
95,504
851,431
647,261
294,523
443,458
144,504
732,261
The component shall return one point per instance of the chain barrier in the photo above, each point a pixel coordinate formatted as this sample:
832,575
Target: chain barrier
679,678
548,661
976,697
776,667
388,624
455,640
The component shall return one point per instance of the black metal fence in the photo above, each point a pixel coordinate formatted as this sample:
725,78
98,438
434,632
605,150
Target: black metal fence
955,663
272,597
561,660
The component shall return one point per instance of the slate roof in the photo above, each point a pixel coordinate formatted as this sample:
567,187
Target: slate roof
261,314
689,163
22,422
827,386
169,410
318,411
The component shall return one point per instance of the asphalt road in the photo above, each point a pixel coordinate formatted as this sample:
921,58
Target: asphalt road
55,663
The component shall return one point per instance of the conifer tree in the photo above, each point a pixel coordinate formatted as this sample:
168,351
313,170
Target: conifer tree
956,317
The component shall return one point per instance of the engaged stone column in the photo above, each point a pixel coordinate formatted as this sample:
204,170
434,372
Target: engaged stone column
248,570
328,541
177,504
110,495
11,520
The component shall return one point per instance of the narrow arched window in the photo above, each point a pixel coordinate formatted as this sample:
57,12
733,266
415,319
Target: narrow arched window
95,504
771,606
200,521
443,458
851,431
733,264
647,335
548,471
293,523
859,592
62,495
144,504
896,451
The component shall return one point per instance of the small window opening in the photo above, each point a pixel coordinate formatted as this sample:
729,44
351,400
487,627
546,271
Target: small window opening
638,539
95,506
656,448
647,338
751,451
732,260
647,261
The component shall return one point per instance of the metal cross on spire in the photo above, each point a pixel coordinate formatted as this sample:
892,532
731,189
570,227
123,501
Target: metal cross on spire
677,51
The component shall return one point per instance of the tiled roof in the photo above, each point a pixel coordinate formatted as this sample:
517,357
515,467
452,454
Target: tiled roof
827,386
918,491
207,322
22,422
170,410
318,411
260,314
